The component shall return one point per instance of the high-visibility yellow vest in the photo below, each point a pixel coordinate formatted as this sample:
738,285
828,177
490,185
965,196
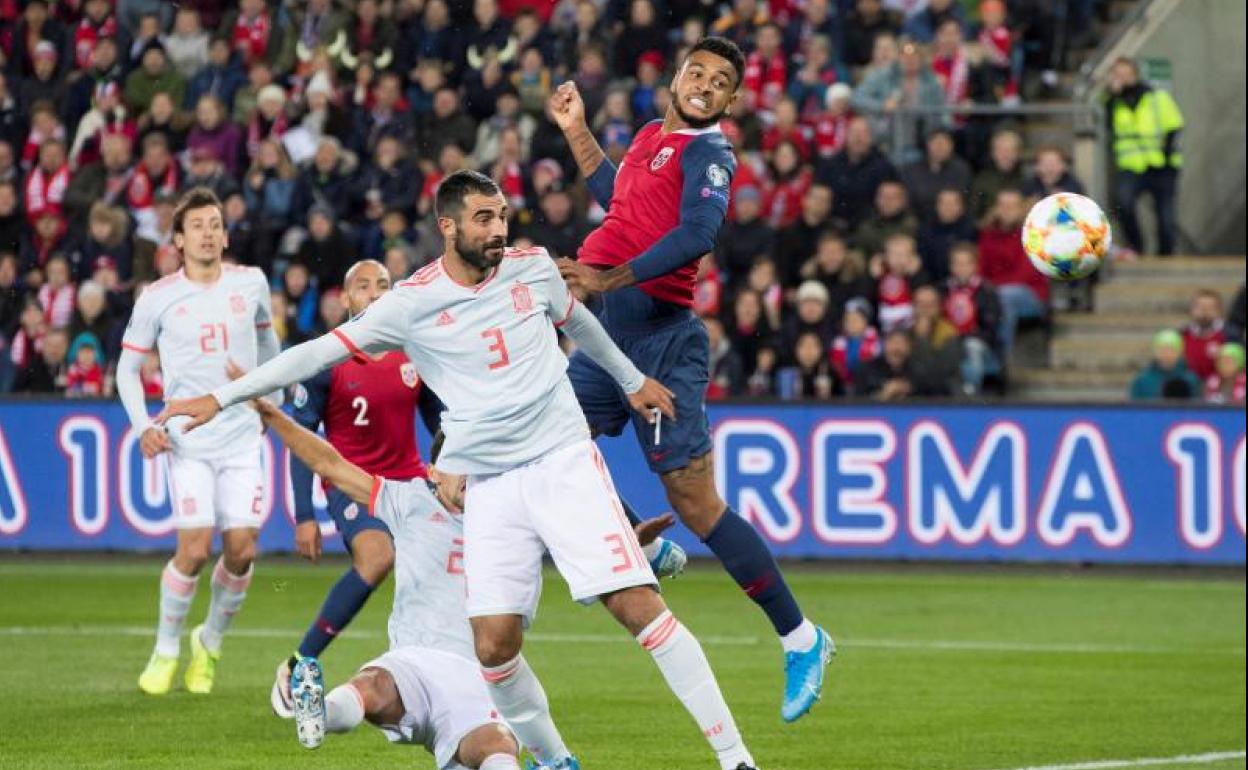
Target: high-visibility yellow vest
1140,134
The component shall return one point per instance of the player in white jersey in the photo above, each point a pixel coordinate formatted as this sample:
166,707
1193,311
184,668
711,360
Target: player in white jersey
427,689
477,325
201,318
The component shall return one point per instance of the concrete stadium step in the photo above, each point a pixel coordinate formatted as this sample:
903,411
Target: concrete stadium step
1222,273
1068,385
1169,297
1100,352
1127,324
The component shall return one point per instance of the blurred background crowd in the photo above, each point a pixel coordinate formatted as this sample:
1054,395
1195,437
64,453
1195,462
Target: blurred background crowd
857,259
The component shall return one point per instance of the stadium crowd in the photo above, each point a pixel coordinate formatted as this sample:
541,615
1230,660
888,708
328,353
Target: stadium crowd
325,128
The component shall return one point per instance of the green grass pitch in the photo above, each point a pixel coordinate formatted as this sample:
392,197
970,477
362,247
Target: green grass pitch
938,670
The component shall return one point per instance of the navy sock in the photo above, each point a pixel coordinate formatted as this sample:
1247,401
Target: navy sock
341,604
746,557
633,518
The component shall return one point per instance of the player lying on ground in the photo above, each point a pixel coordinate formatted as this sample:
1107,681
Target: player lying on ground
427,689
200,318
368,408
477,324
665,205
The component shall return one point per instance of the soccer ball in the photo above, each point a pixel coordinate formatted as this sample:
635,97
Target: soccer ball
1066,236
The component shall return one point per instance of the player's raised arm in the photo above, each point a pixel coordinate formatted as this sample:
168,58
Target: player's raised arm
317,454
568,110
708,168
382,327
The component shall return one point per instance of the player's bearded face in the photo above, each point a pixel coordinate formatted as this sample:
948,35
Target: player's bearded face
704,90
482,251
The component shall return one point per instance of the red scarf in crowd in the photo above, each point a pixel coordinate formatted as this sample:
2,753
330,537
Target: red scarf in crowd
830,132
251,36
45,192
784,205
868,349
142,189
85,382
1215,395
85,36
960,307
767,80
256,134
35,140
953,73
896,301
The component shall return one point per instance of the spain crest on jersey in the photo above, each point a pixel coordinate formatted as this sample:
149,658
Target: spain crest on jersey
408,372
238,304
521,298
661,158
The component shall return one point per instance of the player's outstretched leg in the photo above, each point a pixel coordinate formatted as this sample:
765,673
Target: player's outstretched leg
666,558
808,649
680,658
372,558
177,590
516,691
230,580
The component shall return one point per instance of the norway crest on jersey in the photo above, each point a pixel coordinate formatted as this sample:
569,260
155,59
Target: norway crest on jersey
408,372
521,299
661,159
238,304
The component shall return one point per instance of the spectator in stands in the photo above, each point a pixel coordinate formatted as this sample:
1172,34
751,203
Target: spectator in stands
331,311
370,38
156,176
42,244
855,174
951,63
741,23
447,124
892,217
245,246
790,179
1233,326
25,342
215,134
764,281
812,306
766,71
92,315
808,88
1005,171
751,334
831,127
45,82
951,225
923,25
864,27
727,374
587,29
1144,128
11,224
488,38
857,344
85,374
1166,368
302,303
269,187
1023,290
1226,385
507,114
558,227
221,78
940,169
891,376
386,117
11,302
908,82
107,116
321,115
974,309
164,118
48,182
12,120
841,271
103,180
154,75
187,44
796,244
1052,175
810,376
269,121
1204,334
44,128
937,349
900,273
57,294
743,238
204,170
643,33
327,179
258,35
326,252
44,372
818,19
105,235
785,128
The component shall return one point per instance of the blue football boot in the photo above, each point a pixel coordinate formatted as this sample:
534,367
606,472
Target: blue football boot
803,677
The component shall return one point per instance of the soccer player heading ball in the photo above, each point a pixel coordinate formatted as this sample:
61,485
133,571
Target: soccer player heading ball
665,205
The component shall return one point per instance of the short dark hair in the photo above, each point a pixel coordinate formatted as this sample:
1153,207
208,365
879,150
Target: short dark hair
435,447
195,198
459,185
725,49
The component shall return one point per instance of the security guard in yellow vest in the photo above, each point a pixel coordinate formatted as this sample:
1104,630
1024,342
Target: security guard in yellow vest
1144,124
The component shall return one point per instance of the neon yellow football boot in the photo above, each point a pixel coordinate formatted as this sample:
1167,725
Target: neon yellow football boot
203,665
157,678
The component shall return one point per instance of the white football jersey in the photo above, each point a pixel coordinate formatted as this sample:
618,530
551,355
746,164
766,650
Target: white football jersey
197,329
491,354
429,588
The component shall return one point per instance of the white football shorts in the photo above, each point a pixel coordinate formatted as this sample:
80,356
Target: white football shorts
564,503
444,699
227,493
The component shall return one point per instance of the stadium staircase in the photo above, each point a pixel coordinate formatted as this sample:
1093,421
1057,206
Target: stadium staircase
1093,356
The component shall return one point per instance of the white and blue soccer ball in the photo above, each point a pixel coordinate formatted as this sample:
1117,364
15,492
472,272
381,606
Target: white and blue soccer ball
1066,236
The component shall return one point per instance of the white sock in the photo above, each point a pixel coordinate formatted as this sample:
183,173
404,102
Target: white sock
684,666
651,549
521,701
500,762
344,709
177,591
228,592
800,639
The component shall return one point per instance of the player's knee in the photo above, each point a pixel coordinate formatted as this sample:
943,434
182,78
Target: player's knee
634,608
379,695
497,640
239,556
191,557
485,742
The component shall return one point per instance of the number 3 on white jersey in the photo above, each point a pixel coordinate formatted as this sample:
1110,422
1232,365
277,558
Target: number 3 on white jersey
360,405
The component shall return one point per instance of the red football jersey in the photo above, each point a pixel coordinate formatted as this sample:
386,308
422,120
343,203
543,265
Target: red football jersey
646,202
370,415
